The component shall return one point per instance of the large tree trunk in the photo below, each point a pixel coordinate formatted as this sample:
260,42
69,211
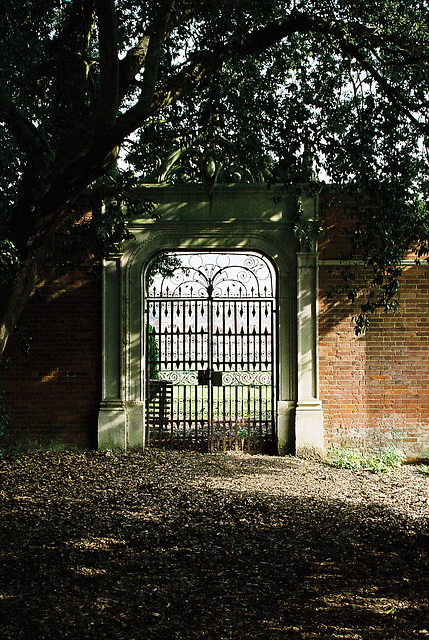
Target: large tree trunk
15,298
35,239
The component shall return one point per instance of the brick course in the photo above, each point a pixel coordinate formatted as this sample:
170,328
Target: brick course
54,391
374,388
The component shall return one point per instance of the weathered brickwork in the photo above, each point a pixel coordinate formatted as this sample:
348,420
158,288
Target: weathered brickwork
54,392
374,388
336,222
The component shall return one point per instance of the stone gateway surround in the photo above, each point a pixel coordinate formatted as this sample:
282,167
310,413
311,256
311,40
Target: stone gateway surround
83,382
234,218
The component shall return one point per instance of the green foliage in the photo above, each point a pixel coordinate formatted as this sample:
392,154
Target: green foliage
386,460
424,468
122,198
153,355
4,413
269,117
346,458
113,199
379,462
9,260
164,264
210,91
10,452
380,236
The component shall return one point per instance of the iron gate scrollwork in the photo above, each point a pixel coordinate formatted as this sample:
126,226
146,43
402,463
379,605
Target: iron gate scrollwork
210,353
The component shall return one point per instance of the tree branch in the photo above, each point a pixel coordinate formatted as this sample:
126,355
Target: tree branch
262,39
207,61
131,65
394,96
70,49
151,51
257,41
135,59
177,86
150,75
26,134
108,98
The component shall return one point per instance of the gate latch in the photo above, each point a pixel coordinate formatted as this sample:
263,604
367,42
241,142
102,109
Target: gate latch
204,377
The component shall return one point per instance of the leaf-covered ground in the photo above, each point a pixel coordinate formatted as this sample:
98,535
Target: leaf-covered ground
164,546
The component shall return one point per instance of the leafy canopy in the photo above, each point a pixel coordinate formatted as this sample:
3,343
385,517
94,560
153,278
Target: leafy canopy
290,91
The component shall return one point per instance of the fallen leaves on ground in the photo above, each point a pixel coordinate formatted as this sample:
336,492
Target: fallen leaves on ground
166,545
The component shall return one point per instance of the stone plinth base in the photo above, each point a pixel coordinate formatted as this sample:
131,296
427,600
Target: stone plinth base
309,427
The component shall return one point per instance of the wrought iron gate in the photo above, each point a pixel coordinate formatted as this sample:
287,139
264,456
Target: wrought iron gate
210,352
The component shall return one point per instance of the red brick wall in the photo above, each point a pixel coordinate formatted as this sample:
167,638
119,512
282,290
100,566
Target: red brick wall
375,388
337,223
54,391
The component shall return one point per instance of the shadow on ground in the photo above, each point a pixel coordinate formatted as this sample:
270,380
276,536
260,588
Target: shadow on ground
136,548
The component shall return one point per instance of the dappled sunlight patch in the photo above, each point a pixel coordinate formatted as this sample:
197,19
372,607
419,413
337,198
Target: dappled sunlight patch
48,377
94,543
90,571
177,545
366,603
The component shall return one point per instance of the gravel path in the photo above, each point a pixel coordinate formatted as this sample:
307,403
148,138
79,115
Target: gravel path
169,545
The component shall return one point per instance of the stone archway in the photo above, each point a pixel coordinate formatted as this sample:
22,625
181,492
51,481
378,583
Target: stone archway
234,218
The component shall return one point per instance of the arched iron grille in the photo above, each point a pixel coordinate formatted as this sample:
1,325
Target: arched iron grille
210,352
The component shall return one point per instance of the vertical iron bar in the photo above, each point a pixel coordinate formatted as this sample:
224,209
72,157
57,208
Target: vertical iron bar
171,335
195,416
259,388
247,334
147,371
260,337
160,349
195,412
184,416
184,342
210,366
236,409
224,406
272,364
248,419
224,334
235,360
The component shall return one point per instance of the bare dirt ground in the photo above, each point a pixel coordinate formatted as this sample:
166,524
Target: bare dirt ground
184,546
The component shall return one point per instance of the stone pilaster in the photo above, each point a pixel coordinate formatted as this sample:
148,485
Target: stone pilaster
112,422
309,417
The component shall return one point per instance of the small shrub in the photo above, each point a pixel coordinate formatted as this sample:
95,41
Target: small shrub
4,412
10,452
346,458
392,457
380,462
